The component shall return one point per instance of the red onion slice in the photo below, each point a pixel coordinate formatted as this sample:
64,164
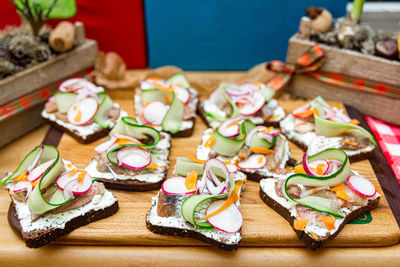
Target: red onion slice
211,181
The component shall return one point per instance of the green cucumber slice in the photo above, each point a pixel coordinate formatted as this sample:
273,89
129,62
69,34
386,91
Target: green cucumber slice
230,147
179,79
319,103
173,118
184,166
221,90
64,101
151,95
318,203
101,117
268,93
332,128
129,126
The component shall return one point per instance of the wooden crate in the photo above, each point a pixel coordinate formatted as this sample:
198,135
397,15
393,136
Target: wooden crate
354,64
39,76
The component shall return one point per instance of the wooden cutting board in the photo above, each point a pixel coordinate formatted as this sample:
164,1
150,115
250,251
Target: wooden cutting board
262,226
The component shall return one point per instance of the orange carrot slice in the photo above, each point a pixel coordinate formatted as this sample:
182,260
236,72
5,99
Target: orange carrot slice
299,169
210,142
22,177
299,224
349,143
191,180
314,236
193,159
261,150
329,222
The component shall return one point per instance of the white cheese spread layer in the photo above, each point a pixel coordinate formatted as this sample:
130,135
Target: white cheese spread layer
83,130
59,220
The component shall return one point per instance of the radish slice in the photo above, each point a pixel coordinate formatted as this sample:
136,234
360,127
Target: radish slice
244,89
182,94
154,112
133,157
77,183
232,168
211,181
85,93
76,84
257,102
229,220
35,161
255,161
303,112
22,186
231,127
176,186
361,185
38,172
83,111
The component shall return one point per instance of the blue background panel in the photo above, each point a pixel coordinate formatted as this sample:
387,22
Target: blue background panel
224,34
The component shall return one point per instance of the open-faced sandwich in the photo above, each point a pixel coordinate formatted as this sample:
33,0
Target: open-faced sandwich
206,208
258,151
320,196
82,110
251,100
317,126
134,158
168,105
51,198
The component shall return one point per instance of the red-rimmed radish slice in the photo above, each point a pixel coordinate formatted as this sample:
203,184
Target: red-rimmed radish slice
85,93
23,186
232,168
83,111
133,157
257,102
211,181
308,167
78,182
301,126
244,89
361,185
303,112
35,161
252,132
255,161
76,84
231,127
229,220
182,94
38,172
155,112
176,186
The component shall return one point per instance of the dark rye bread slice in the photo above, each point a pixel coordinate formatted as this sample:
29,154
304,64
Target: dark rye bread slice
131,185
305,238
36,239
353,158
89,138
163,230
202,114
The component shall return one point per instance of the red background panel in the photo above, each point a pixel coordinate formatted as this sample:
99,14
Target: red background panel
117,26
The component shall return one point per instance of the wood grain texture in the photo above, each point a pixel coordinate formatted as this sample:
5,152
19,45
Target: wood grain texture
354,64
262,226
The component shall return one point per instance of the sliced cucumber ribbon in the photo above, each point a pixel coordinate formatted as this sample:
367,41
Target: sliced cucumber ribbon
230,147
220,93
332,128
129,126
185,165
329,128
36,201
319,203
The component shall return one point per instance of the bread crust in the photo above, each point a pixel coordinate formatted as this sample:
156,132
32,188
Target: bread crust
36,239
162,230
131,185
89,138
305,238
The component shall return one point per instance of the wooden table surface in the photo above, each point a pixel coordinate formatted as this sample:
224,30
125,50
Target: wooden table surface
13,250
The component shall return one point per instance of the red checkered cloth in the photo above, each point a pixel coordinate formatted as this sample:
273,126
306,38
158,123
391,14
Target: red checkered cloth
388,137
